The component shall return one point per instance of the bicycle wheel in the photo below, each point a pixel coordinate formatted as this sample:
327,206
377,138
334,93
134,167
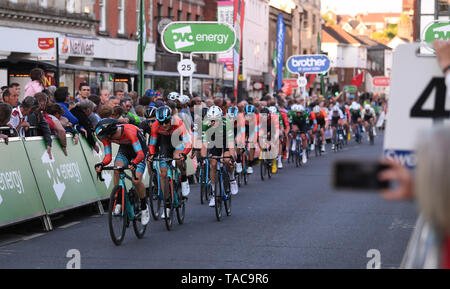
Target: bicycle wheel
117,222
227,193
262,169
154,199
269,168
181,209
168,205
139,229
218,198
371,136
238,179
203,193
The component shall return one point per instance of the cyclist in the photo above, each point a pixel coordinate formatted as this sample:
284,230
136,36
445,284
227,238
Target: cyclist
369,116
321,117
251,133
218,138
274,111
164,129
300,120
335,119
238,119
131,154
355,113
150,116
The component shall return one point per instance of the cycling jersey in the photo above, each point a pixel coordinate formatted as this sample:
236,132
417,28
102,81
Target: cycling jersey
209,133
132,144
176,127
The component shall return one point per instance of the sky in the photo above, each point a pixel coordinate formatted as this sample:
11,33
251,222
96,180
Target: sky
353,7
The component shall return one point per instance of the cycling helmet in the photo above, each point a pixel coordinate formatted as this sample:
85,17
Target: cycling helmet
272,109
214,112
249,109
299,108
184,99
163,114
335,108
106,127
204,111
355,106
232,111
173,96
150,93
367,107
265,110
316,109
150,112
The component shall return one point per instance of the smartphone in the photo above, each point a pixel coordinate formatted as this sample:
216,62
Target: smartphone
358,175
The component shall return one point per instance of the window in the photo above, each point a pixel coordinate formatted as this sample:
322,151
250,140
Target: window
102,26
188,17
121,22
197,17
313,24
169,12
443,7
305,20
179,15
70,6
159,11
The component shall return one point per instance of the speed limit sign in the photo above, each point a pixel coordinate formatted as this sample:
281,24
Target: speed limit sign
418,102
186,67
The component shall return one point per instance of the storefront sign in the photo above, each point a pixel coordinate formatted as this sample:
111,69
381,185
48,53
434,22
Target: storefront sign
350,88
78,47
381,81
47,47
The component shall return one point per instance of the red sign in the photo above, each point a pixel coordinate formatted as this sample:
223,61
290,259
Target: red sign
292,82
49,79
381,81
46,43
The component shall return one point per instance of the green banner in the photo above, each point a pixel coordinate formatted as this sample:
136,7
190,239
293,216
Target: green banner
19,195
64,181
198,37
350,88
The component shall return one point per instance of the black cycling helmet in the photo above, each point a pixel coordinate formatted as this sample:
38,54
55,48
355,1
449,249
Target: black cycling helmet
265,110
163,114
204,111
249,109
106,127
150,112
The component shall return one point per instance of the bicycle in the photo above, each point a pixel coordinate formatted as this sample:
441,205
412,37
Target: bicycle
319,142
205,182
172,188
152,191
120,214
338,138
265,165
223,192
371,136
244,174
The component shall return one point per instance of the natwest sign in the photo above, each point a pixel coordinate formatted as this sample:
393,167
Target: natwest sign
78,47
381,81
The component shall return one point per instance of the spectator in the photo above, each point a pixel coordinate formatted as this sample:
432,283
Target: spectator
11,99
105,112
145,101
120,94
50,91
114,101
83,92
82,111
117,114
37,119
14,88
19,114
127,105
5,116
140,110
36,84
104,97
56,112
61,95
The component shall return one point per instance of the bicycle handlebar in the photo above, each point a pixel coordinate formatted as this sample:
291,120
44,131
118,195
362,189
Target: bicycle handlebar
115,168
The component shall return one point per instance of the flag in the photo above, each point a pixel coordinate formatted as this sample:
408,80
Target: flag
357,80
142,38
280,50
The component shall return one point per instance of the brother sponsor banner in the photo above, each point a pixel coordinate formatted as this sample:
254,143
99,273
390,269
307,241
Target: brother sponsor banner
310,64
417,103
19,195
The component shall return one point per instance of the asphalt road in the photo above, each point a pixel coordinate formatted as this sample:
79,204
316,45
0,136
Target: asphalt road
295,220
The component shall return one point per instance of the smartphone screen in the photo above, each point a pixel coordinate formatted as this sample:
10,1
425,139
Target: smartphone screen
361,175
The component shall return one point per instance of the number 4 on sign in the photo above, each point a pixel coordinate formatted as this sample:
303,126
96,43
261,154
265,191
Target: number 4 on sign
439,112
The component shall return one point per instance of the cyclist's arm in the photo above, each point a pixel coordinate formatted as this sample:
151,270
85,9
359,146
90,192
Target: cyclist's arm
153,138
131,134
108,152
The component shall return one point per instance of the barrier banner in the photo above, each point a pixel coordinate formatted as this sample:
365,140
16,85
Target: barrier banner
19,195
64,181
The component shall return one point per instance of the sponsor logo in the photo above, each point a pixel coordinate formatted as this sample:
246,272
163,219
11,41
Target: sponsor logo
11,181
406,158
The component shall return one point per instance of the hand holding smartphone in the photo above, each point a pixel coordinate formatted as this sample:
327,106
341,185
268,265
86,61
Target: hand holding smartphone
359,175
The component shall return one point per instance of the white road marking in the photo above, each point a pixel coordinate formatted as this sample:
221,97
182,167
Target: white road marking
68,225
32,236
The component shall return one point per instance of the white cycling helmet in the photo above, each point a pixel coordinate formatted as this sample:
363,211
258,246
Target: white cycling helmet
335,108
300,108
367,107
214,112
316,109
184,99
355,106
272,109
173,96
294,107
